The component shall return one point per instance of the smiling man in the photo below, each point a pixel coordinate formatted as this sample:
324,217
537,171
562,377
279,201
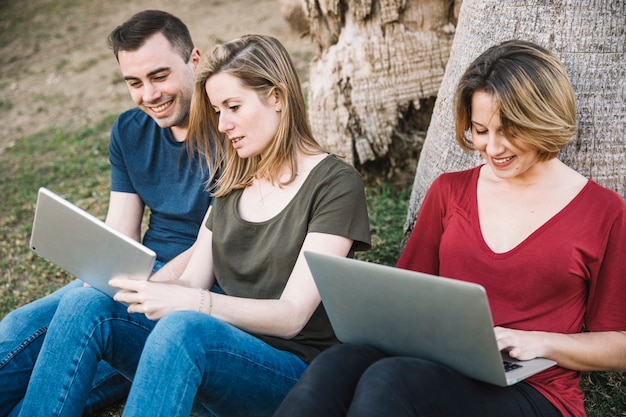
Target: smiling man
150,167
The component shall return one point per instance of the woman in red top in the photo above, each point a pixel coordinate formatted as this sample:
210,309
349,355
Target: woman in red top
545,242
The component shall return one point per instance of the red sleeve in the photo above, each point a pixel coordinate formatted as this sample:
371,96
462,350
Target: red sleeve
421,252
606,309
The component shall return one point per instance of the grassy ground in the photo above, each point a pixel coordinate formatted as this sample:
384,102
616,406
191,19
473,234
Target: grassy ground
75,165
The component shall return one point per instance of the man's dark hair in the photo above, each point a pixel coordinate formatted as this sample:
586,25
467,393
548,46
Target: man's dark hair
132,34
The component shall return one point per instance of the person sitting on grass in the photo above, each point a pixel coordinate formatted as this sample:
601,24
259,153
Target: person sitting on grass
150,169
547,244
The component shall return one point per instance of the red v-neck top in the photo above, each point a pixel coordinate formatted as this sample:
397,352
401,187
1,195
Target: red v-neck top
568,274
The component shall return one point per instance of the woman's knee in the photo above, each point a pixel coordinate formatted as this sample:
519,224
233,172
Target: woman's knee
187,335
339,367
350,356
398,372
180,324
183,329
393,386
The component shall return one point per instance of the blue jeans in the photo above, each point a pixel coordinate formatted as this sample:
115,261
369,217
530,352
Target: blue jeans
229,372
22,333
184,354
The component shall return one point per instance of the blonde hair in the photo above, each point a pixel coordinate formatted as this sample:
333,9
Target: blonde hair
262,64
535,96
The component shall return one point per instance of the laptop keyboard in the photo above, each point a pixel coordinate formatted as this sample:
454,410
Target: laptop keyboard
509,366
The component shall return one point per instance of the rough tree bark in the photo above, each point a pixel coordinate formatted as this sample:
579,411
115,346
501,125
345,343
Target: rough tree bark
375,79
589,37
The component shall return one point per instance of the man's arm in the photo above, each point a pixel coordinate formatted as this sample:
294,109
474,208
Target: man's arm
125,214
172,270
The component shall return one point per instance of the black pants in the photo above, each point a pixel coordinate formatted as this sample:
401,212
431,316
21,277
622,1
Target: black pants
353,380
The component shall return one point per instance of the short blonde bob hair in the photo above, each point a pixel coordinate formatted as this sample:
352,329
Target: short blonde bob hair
264,65
535,96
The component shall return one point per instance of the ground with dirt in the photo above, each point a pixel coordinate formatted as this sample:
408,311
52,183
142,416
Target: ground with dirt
56,70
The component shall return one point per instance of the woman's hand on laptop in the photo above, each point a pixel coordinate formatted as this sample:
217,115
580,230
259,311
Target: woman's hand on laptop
521,344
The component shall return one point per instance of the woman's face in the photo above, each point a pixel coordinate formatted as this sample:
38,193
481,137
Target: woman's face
250,122
505,159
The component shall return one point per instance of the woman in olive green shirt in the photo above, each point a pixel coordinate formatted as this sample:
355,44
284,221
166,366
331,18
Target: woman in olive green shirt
278,194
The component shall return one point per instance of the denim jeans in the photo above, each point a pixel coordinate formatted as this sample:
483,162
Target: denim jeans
76,342
228,371
184,354
22,333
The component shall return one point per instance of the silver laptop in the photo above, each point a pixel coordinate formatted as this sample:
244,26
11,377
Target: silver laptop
407,313
85,246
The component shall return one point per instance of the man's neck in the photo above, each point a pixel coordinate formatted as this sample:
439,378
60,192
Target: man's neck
179,133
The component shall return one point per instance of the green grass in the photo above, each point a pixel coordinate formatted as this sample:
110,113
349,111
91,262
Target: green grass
75,165
387,210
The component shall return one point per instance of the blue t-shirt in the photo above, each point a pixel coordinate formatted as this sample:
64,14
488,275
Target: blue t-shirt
147,161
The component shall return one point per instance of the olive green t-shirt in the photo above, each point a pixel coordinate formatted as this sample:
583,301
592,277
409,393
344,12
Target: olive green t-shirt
255,259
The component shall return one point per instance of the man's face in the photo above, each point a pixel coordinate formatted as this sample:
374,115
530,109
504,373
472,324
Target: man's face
160,82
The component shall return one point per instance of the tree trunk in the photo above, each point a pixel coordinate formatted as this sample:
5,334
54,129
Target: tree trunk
588,37
374,82
293,13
